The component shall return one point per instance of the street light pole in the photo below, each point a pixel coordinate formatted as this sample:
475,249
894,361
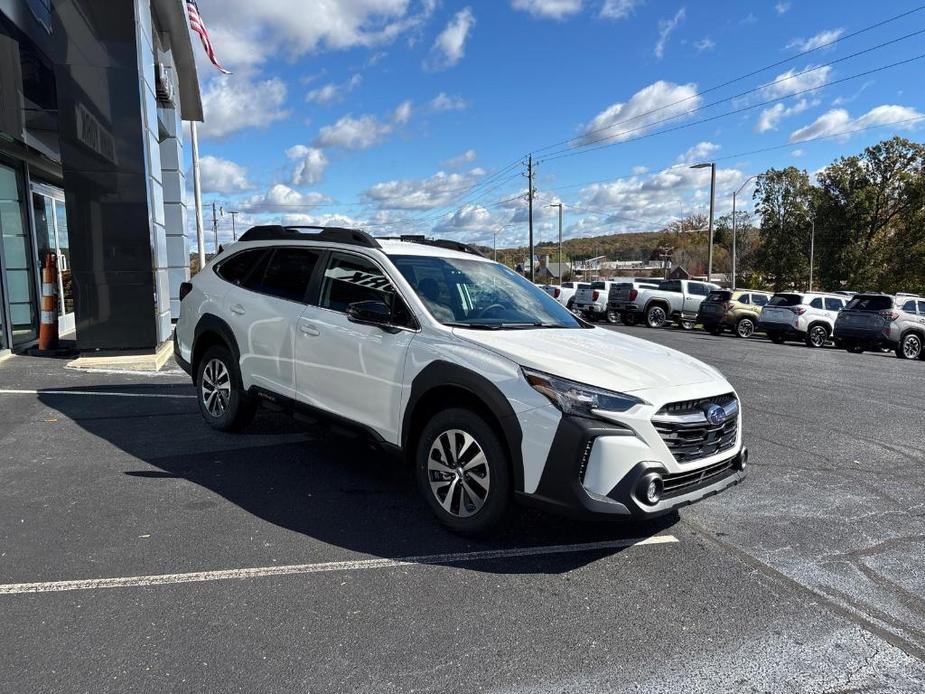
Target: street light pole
812,251
559,205
712,166
735,227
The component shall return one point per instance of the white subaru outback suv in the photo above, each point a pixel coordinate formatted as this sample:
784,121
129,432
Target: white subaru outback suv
486,383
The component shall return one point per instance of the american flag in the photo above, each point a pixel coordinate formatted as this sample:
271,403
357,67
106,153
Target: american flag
197,25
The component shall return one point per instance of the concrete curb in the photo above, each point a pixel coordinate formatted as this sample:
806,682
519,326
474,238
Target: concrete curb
151,361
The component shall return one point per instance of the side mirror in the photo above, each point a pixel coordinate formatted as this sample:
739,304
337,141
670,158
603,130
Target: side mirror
370,313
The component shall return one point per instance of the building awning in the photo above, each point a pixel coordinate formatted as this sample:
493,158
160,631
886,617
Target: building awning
175,23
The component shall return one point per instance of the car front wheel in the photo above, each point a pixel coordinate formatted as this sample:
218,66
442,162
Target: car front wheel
463,472
222,400
745,328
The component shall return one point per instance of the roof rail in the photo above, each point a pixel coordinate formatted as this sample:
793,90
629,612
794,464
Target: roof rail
438,243
276,232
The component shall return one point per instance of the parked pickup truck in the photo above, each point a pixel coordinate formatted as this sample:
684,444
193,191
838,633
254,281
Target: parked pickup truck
672,300
590,301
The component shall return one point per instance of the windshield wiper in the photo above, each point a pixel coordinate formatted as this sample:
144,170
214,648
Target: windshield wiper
476,326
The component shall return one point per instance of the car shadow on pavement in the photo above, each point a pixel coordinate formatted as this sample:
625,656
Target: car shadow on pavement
326,484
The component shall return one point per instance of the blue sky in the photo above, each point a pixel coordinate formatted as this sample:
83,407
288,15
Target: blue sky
413,116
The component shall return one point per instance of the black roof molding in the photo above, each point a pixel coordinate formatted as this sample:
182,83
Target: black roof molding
439,243
276,232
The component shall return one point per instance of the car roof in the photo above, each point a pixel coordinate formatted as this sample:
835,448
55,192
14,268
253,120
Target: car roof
399,247
387,246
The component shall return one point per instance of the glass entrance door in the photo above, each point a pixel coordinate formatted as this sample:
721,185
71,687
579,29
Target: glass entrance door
51,237
18,268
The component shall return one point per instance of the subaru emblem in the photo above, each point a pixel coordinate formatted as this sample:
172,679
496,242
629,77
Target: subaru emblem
715,414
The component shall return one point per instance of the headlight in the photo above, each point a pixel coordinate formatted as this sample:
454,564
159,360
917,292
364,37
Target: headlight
577,398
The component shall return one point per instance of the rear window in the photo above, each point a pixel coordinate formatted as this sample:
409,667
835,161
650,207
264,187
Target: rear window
870,303
597,285
785,300
583,285
759,299
718,297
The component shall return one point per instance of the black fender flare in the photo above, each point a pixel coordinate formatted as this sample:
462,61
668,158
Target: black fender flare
443,373
210,323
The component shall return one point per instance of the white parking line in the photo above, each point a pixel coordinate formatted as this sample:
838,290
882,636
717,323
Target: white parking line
97,392
294,569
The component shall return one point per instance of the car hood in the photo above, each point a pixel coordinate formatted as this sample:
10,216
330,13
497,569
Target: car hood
597,357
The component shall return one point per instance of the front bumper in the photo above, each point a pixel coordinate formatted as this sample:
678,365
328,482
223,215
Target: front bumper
564,485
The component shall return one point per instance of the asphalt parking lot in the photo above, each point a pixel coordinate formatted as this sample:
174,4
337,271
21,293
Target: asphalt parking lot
140,551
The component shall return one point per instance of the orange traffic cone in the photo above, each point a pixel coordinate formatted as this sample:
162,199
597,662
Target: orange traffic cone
48,330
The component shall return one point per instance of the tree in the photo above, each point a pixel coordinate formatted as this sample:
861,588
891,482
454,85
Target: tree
865,202
785,202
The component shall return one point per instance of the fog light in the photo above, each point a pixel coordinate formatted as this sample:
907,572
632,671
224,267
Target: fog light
650,488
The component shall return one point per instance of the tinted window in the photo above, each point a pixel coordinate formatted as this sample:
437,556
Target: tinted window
745,299
759,299
922,308
909,307
584,285
567,285
349,279
597,285
718,297
816,303
833,304
870,303
786,300
286,275
698,289
238,267
670,286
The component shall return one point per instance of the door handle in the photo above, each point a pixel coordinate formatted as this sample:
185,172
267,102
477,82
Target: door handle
237,309
308,328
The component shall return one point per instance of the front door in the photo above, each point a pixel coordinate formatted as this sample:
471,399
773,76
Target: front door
345,368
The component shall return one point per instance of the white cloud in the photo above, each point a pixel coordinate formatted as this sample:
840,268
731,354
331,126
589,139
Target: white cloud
402,113
770,117
700,152
232,104
430,193
817,41
473,219
639,170
466,157
619,9
548,9
665,28
705,44
332,92
281,199
782,7
310,164
444,102
838,121
450,44
797,153
222,176
646,107
795,81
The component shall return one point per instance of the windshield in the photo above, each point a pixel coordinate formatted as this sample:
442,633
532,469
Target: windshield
870,303
477,294
786,300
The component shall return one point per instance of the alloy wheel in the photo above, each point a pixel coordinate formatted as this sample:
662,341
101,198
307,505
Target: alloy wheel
216,387
912,347
458,472
745,328
656,317
818,336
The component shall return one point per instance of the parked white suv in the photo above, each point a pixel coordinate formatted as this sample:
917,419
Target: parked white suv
489,386
805,316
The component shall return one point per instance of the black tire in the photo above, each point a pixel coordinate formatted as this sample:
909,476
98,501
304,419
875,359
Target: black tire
221,397
687,324
612,317
656,316
715,330
776,338
853,348
817,336
745,328
629,318
441,436
910,347
570,304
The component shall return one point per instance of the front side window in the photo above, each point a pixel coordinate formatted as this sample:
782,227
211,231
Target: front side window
477,294
287,274
350,279
833,304
745,299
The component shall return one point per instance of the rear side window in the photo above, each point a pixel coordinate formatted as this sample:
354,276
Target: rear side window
759,299
349,279
816,303
287,274
719,297
909,307
745,299
698,289
670,286
786,300
833,304
237,268
870,303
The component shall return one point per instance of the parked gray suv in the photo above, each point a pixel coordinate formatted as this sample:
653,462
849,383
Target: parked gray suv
873,321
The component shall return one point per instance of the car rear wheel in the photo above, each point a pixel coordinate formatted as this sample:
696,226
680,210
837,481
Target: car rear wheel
222,400
817,336
656,316
629,318
715,330
776,338
463,472
745,328
687,324
612,317
854,348
910,347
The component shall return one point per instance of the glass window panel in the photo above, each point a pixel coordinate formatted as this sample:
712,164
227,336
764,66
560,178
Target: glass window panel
17,254
64,257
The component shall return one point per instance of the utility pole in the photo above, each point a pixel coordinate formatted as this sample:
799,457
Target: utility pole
812,251
735,228
530,201
215,227
559,205
197,196
234,233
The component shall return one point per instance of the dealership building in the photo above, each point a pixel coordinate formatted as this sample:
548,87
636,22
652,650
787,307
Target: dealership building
93,95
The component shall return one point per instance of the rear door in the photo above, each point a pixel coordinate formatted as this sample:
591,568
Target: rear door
349,369
833,305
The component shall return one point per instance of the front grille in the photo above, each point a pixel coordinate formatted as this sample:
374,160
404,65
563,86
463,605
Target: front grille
684,482
688,433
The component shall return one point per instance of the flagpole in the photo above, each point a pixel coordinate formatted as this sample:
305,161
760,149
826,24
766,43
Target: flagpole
197,196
